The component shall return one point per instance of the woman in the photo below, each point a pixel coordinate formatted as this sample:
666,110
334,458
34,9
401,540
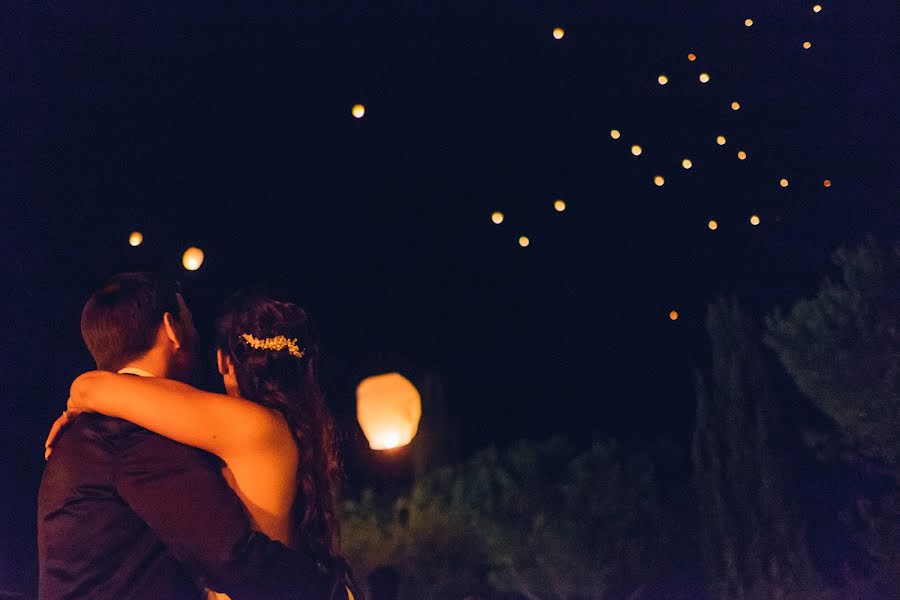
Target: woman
271,429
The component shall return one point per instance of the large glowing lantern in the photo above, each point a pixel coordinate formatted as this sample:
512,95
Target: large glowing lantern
358,111
497,217
136,238
704,77
192,258
388,408
559,33
615,134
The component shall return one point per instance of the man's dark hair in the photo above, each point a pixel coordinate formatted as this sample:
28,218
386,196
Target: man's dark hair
120,320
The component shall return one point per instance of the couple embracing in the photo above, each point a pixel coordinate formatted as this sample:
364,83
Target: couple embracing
156,489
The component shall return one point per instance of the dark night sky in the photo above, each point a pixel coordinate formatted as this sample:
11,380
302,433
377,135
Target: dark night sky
230,129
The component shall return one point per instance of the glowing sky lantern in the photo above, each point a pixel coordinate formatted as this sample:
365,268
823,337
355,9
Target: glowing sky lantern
686,163
358,111
712,225
720,140
673,315
827,183
742,155
783,183
704,77
659,180
615,134
692,57
192,258
497,217
559,205
735,105
807,45
748,22
636,150
524,241
559,33
754,220
136,238
388,408
662,79
817,8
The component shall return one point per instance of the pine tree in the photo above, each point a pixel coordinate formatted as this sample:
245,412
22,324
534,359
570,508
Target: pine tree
751,537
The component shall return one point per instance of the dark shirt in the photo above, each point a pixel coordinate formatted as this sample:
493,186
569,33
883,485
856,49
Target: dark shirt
124,513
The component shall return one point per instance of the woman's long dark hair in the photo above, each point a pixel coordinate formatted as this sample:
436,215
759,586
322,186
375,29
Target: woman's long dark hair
277,379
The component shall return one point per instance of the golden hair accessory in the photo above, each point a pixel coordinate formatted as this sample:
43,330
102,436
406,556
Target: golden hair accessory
274,343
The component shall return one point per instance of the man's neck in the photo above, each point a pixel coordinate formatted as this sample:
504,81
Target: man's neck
151,362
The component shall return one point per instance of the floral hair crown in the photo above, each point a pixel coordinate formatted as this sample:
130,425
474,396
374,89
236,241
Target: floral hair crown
274,343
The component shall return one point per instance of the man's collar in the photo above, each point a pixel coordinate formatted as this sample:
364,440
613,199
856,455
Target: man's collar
135,371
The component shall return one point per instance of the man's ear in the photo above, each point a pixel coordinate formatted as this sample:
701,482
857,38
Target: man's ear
170,324
223,361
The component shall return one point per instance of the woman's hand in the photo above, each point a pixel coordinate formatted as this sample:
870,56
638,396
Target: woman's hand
63,421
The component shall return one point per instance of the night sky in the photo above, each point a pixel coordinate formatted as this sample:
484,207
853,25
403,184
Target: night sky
231,129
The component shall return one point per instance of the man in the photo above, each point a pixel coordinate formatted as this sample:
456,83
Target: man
124,513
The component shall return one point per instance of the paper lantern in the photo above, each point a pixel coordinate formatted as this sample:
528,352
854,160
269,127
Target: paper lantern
192,258
615,134
686,163
748,22
673,315
742,155
136,238
735,106
807,45
636,150
712,225
704,77
559,205
817,8
388,408
358,111
783,183
827,183
692,57
524,241
720,140
559,33
662,79
497,217
659,180
754,220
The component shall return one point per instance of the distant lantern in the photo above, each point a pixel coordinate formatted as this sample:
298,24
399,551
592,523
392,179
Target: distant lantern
720,140
704,77
742,155
497,217
358,111
559,205
559,33
659,180
686,163
136,238
712,225
817,8
735,105
827,183
783,183
754,220
662,79
192,258
388,408
615,134
673,315
524,241
807,45
692,57
748,22
636,150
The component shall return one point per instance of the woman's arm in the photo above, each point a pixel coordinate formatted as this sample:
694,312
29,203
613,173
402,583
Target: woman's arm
216,423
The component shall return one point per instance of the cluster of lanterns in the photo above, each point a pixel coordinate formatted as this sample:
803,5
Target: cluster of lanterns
191,259
497,217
